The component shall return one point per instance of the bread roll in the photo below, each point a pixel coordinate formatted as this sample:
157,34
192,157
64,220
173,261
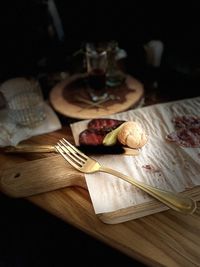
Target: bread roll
132,135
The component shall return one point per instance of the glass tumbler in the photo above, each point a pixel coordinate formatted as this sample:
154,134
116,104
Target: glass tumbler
96,61
24,101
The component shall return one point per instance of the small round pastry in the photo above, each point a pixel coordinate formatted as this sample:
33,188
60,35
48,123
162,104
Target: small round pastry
132,135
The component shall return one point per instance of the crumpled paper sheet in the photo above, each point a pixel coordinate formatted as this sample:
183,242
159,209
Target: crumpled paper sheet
11,134
175,168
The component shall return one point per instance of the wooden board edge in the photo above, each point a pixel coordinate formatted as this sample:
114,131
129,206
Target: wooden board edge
145,209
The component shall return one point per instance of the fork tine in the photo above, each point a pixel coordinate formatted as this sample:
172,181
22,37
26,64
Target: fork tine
71,153
75,149
60,150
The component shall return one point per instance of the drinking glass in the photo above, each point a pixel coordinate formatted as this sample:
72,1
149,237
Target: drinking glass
114,75
97,62
24,101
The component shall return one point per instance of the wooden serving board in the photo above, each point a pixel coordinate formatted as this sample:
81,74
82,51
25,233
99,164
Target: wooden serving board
52,173
39,176
68,98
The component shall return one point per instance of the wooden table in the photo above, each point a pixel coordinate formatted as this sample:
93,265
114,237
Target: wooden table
164,239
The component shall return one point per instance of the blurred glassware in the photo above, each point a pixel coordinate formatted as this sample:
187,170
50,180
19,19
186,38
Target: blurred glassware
114,75
96,60
24,101
102,62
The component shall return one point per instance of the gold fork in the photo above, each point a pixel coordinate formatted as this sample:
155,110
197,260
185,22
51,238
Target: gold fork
85,164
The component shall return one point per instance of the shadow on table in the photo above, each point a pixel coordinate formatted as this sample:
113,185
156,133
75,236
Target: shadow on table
31,237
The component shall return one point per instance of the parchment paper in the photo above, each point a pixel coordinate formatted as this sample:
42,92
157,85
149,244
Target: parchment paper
175,168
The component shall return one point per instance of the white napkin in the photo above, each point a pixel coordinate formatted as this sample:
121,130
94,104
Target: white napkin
11,134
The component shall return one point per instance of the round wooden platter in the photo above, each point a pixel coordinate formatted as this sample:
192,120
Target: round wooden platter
70,96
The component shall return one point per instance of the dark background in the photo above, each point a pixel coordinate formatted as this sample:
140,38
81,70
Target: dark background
29,42
30,46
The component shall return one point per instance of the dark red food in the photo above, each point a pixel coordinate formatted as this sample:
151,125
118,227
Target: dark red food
91,137
108,124
187,133
97,130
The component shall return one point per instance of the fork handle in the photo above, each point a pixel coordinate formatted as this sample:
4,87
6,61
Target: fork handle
172,200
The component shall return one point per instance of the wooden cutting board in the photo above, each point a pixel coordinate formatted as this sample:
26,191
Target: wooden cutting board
39,176
52,173
175,168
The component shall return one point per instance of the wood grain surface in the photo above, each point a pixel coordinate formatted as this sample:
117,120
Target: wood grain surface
65,98
52,173
164,239
39,176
